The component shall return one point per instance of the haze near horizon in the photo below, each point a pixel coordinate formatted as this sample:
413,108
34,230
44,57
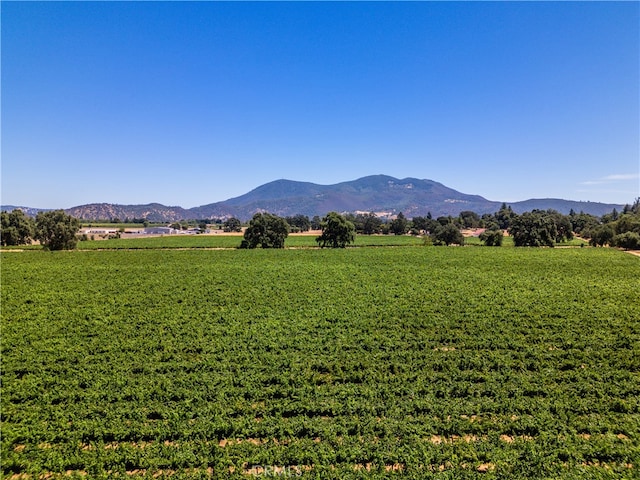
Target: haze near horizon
192,103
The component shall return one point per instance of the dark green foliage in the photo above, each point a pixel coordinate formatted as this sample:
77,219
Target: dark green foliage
444,220
399,225
367,223
492,238
533,229
265,230
337,231
627,240
470,219
601,236
315,222
627,223
504,216
564,228
425,224
448,234
17,228
420,224
232,225
56,230
615,229
583,222
299,223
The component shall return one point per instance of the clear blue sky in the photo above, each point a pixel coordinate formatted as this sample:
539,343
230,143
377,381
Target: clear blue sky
191,103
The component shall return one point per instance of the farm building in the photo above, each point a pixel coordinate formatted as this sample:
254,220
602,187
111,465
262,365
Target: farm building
99,231
160,231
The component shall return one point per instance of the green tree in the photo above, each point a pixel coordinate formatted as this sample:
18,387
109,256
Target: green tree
420,224
56,230
315,222
370,223
265,230
602,235
583,222
504,216
337,231
399,225
610,217
492,238
442,220
627,223
627,240
564,228
470,219
533,229
447,234
232,225
17,228
300,222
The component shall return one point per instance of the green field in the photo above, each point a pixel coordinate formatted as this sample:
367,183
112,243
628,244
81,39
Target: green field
233,241
420,362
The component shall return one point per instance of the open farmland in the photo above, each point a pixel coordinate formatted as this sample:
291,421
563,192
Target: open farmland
233,241
366,362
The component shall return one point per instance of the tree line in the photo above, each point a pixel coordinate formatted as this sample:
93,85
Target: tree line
537,228
56,230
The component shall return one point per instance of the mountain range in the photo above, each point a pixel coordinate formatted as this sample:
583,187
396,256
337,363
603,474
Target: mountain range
382,194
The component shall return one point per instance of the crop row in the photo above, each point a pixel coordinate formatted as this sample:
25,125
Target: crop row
516,363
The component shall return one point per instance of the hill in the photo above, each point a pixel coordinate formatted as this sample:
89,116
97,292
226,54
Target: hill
382,194
154,212
30,211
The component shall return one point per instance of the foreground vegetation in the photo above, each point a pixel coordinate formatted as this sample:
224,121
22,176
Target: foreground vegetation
347,363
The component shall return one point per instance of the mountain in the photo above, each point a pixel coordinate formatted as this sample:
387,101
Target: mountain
377,193
381,194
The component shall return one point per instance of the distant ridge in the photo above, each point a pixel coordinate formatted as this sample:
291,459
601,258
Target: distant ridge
154,212
376,193
30,211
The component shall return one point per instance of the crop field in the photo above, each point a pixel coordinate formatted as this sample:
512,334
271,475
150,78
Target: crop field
233,241
220,241
416,362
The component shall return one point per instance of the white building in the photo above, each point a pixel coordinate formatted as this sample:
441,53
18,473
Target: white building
160,231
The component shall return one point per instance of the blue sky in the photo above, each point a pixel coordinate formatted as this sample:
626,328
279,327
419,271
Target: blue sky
191,103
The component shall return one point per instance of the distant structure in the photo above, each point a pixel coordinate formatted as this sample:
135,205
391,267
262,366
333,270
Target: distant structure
160,231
